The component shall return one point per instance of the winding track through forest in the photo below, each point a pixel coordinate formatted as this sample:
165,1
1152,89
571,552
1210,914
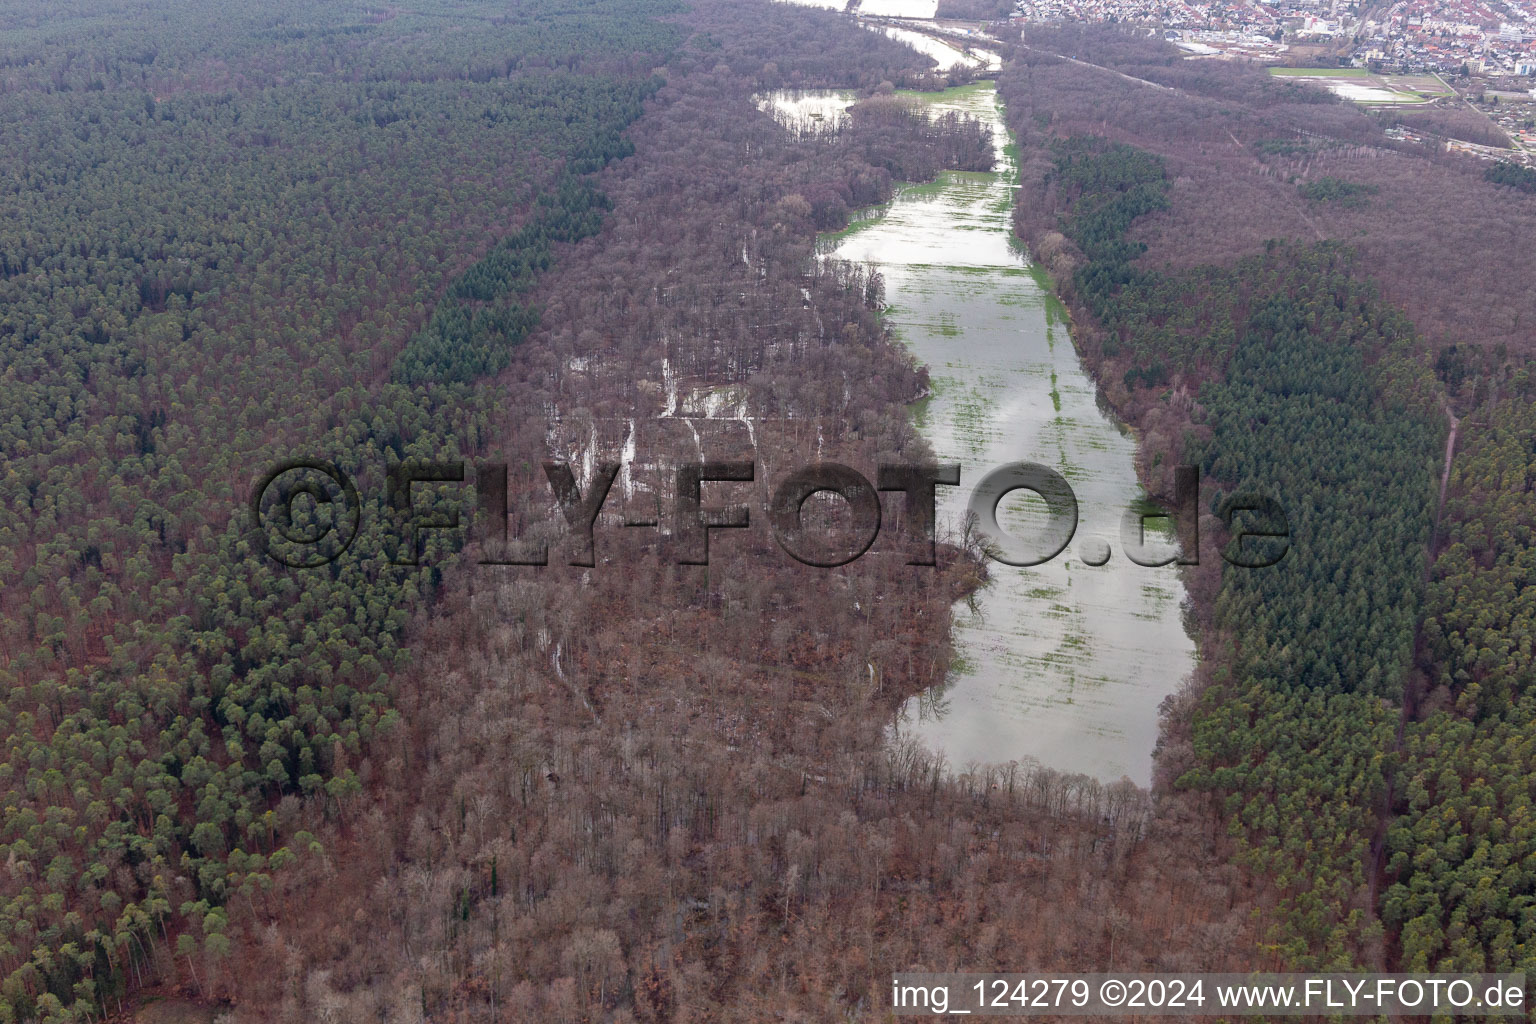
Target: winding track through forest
1445,474
1384,816
1165,88
1378,848
1101,67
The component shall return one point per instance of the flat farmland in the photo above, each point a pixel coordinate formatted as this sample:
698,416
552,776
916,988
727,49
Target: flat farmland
1367,88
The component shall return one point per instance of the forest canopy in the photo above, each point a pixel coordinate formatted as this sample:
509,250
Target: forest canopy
200,206
1362,724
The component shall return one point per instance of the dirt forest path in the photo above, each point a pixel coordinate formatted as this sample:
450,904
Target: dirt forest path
1445,474
1384,817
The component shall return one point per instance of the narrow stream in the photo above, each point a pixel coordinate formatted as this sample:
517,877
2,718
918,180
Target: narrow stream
1063,663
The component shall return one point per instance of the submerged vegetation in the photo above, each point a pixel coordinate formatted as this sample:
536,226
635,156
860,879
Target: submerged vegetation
250,233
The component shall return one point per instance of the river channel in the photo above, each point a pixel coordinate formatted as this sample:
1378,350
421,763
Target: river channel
1064,663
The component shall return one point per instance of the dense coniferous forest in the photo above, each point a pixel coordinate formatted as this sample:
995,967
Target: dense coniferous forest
1289,406
355,232
214,229
408,786
665,793
1360,720
1513,175
1459,851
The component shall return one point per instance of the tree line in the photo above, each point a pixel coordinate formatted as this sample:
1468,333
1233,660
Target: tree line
1360,728
652,792
171,696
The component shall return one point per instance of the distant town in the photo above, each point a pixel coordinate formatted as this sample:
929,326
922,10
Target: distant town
1446,36
1412,53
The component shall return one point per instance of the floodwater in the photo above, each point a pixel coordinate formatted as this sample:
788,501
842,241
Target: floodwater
899,8
1357,92
799,109
878,8
1367,89
1063,663
945,55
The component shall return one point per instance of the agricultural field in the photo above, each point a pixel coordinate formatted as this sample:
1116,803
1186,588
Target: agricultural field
1367,88
1320,72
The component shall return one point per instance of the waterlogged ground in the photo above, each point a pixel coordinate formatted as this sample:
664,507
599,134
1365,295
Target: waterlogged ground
1064,663
899,8
945,55
805,108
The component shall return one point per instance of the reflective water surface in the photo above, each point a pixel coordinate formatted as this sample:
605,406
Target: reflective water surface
1064,663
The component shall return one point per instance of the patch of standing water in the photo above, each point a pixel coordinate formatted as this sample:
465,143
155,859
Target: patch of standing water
1062,663
799,109
898,8
944,55
1355,92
